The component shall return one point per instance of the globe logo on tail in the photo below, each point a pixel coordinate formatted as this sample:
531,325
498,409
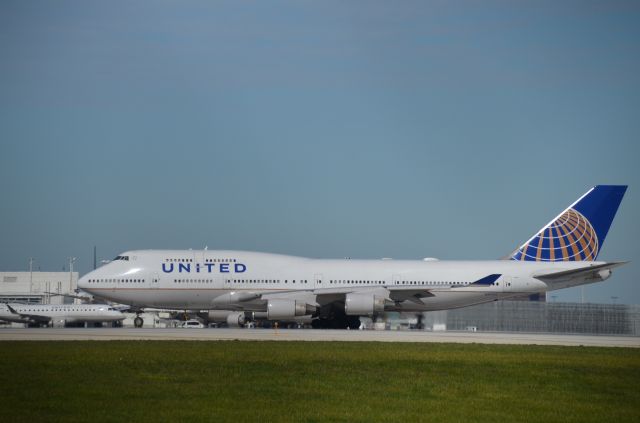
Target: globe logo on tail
570,237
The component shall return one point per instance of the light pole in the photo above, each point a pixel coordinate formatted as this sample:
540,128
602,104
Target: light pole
71,261
31,259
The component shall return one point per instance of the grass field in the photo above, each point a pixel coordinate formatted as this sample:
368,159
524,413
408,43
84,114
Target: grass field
307,381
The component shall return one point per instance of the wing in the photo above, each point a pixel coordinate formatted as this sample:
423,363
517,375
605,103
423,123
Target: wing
324,296
85,299
391,293
35,318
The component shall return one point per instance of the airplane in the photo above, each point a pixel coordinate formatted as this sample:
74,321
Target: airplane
46,314
334,293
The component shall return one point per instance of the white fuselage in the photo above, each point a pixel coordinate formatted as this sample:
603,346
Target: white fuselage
234,280
59,313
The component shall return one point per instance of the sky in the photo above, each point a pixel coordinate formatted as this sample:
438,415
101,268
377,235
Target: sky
361,129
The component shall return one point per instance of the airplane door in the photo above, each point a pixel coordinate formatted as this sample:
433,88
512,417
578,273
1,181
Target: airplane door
154,280
507,283
317,280
220,282
397,280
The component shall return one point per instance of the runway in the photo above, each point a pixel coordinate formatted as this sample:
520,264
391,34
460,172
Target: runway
110,334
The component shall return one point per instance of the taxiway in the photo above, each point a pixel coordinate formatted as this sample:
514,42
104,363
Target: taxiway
108,334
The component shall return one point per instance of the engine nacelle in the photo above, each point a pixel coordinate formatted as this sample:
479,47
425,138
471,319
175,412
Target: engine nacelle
363,304
236,319
231,318
279,309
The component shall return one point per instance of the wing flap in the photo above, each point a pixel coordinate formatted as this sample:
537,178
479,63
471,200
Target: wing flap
392,292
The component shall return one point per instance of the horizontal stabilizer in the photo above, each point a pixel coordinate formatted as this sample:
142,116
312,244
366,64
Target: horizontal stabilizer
582,272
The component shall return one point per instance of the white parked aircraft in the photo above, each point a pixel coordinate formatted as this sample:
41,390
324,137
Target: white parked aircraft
45,314
335,292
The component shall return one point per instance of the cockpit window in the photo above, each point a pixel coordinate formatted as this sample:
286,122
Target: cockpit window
121,258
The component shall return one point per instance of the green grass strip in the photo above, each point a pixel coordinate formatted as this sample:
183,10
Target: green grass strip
140,381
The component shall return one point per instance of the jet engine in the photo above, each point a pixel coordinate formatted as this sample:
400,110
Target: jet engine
361,304
278,309
231,318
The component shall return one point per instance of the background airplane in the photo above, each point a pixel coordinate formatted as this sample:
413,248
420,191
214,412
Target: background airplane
50,314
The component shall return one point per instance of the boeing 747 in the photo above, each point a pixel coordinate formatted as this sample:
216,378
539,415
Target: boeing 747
336,292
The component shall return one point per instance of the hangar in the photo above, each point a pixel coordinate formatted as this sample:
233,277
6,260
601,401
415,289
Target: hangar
37,287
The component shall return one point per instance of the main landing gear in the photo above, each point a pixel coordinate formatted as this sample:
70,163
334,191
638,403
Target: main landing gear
335,318
346,322
138,321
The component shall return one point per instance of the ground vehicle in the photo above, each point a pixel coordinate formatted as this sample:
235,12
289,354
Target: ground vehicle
192,324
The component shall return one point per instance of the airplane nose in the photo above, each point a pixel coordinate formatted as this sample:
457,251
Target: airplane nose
82,282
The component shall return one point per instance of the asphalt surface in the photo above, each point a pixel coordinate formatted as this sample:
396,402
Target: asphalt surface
108,334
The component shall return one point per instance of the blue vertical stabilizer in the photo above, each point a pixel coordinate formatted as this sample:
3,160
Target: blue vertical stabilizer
578,232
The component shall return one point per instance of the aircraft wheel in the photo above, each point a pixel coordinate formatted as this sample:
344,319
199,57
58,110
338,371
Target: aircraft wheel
353,322
320,324
138,322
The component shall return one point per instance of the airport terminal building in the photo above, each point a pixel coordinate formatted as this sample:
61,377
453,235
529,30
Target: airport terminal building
37,287
539,317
